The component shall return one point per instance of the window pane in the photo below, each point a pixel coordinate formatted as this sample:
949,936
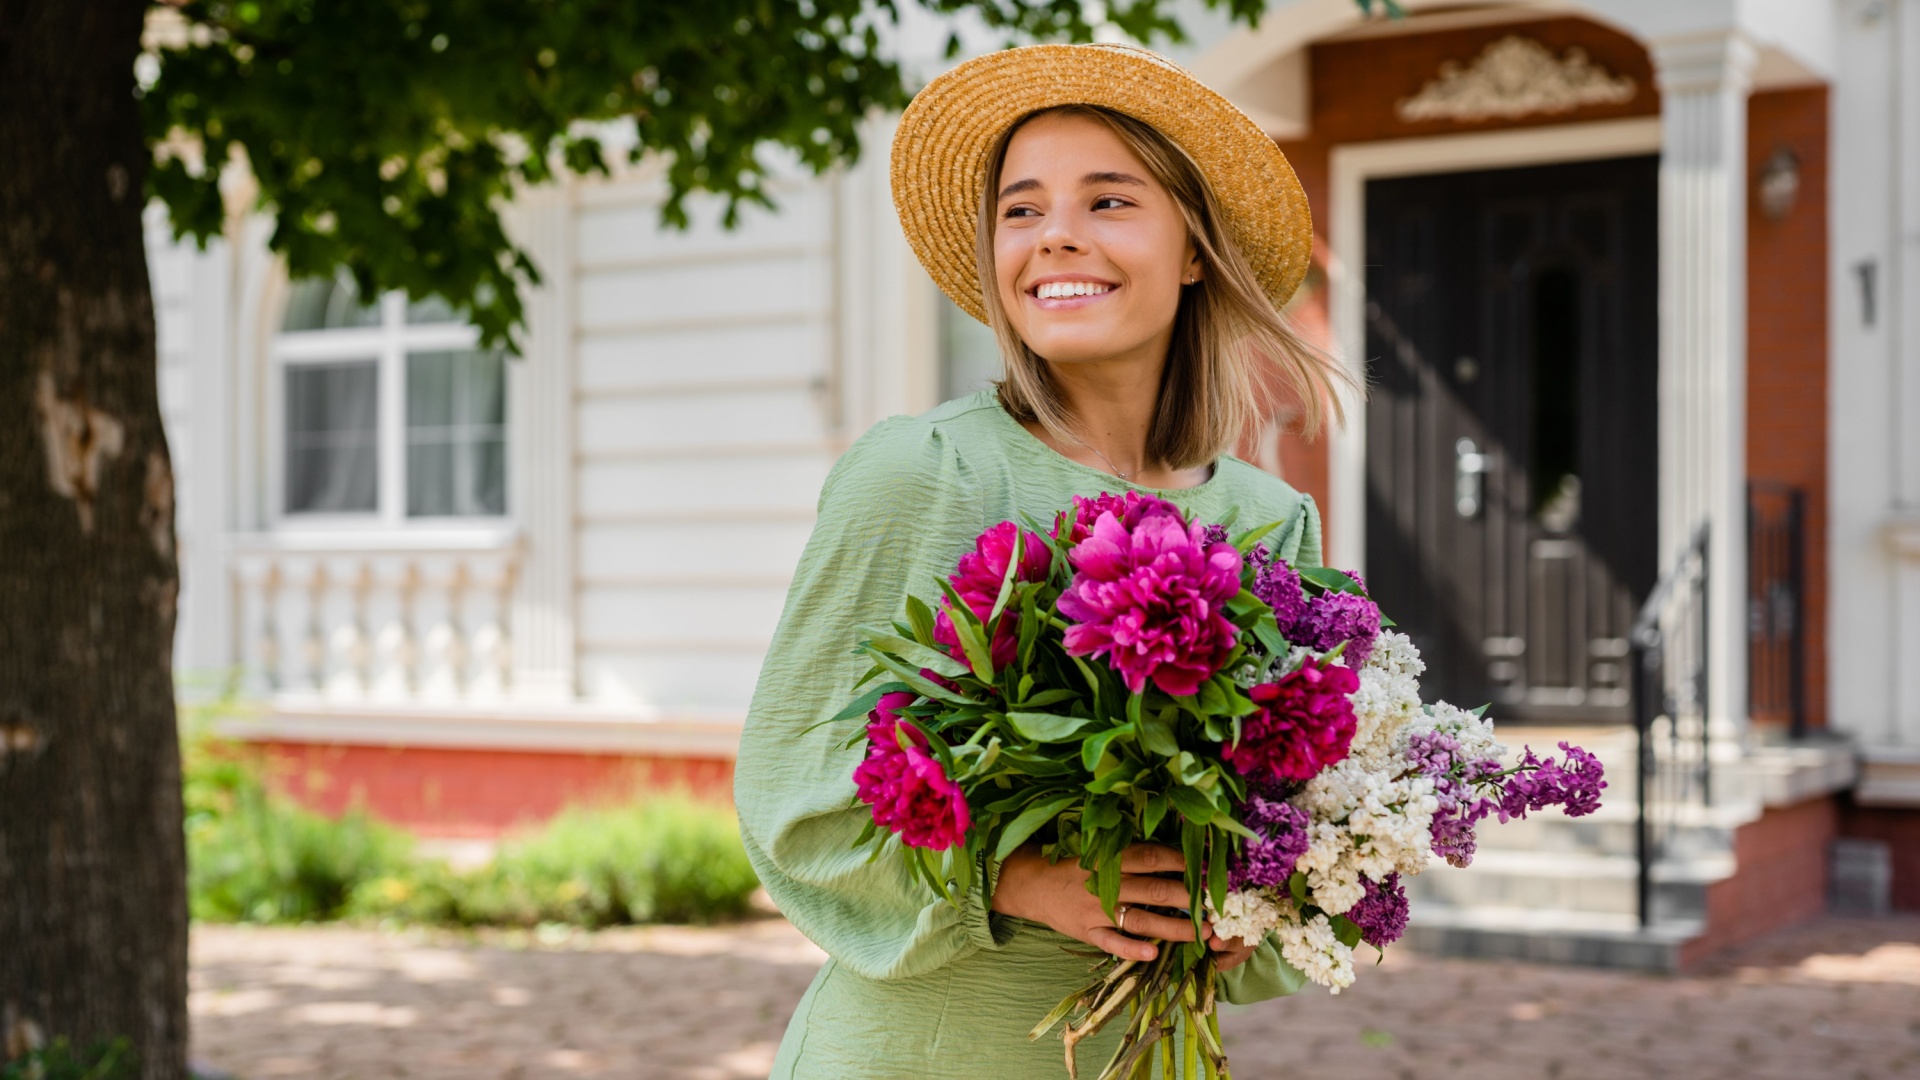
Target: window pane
456,434
320,304
969,354
333,438
430,310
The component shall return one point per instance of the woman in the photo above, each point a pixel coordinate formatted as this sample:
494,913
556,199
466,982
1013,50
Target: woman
1136,235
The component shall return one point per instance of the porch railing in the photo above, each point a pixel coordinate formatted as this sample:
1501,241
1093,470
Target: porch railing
1776,625
375,623
1673,773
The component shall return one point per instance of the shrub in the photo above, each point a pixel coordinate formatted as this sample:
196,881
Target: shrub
58,1060
255,856
662,859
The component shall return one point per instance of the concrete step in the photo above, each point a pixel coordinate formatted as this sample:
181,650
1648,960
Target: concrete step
1692,831
1589,939
1572,882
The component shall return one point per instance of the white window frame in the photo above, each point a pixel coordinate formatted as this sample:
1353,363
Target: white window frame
387,345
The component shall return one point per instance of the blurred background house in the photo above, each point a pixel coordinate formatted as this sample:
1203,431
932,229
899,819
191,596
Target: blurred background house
1635,284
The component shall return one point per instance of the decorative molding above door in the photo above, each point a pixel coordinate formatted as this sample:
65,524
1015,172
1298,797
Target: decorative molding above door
1515,77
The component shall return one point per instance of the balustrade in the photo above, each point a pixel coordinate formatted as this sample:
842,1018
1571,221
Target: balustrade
375,622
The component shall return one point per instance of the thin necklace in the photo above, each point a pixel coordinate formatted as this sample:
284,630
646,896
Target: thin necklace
1111,467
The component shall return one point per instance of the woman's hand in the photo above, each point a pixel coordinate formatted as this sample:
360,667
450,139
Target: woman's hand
1055,894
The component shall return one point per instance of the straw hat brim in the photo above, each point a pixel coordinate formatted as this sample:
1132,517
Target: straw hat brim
940,154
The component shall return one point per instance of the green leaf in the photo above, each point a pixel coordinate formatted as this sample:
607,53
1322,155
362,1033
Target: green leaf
914,653
1245,541
1094,748
1049,697
1048,727
861,705
921,617
1217,871
1297,887
1030,821
1011,575
1154,813
920,684
1345,930
1157,734
972,635
1330,580
1193,805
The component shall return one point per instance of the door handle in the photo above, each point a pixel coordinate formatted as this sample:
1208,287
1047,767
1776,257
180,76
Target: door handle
1469,465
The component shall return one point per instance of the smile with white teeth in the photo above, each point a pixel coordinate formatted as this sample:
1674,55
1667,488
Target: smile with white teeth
1060,290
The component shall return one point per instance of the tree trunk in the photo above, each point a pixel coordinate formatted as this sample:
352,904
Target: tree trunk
93,922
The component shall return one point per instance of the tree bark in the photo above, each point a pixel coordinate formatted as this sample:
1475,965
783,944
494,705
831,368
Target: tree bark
93,923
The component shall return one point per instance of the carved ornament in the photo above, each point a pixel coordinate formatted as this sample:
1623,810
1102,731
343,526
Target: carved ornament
1515,77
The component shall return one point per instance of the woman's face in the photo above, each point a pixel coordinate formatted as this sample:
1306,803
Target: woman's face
1090,252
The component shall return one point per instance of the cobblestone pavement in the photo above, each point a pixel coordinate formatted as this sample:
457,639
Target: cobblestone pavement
1835,1000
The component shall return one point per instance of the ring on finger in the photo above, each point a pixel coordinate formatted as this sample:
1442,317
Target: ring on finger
1120,917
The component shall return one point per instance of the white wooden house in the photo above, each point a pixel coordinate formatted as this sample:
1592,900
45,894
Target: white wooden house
466,589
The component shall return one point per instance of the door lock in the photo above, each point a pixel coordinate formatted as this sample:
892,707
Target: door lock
1469,466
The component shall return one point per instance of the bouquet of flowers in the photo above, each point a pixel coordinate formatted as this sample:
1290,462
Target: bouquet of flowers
1128,675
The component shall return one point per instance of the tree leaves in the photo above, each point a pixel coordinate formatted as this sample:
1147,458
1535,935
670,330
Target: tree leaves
384,137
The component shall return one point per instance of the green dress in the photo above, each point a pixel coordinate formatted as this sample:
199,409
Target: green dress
916,989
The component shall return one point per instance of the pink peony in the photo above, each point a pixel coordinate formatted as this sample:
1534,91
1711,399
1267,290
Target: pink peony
908,790
977,579
1151,598
1129,508
1305,724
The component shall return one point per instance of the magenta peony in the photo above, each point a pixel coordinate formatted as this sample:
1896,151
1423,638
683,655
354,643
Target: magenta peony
977,579
1305,724
1128,508
1150,597
910,793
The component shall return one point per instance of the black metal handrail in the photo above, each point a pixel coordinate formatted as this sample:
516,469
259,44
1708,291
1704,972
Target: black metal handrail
1669,647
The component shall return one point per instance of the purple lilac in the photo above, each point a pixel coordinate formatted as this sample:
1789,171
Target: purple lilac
1538,784
1268,862
1337,617
1278,587
1382,913
1216,534
1436,754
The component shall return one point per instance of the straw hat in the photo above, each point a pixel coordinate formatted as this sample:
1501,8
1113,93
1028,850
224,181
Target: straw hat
940,154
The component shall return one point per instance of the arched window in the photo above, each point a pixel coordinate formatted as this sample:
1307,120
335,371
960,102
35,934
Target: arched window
388,411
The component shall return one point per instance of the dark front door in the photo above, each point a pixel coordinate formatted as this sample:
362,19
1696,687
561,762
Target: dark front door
1511,463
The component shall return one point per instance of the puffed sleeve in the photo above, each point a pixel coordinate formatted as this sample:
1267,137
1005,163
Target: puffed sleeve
898,508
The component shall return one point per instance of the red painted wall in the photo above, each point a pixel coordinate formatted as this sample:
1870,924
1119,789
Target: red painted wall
477,793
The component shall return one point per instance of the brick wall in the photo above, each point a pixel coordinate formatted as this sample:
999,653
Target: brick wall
1787,345
440,792
1780,877
1899,829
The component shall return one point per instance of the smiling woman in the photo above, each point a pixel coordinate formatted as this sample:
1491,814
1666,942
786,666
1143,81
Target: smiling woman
1136,236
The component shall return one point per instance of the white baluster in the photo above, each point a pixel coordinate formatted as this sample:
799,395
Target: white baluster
293,610
483,608
257,655
389,637
343,583
436,628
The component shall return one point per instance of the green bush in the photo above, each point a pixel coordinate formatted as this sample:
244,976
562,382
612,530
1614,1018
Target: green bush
664,859
254,855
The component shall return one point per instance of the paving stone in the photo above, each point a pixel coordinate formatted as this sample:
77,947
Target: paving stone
1837,999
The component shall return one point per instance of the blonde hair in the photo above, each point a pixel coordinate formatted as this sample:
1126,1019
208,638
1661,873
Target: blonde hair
1224,330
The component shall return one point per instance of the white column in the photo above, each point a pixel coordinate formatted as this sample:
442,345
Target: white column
389,638
540,476
297,646
1704,81
435,622
483,626
256,654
